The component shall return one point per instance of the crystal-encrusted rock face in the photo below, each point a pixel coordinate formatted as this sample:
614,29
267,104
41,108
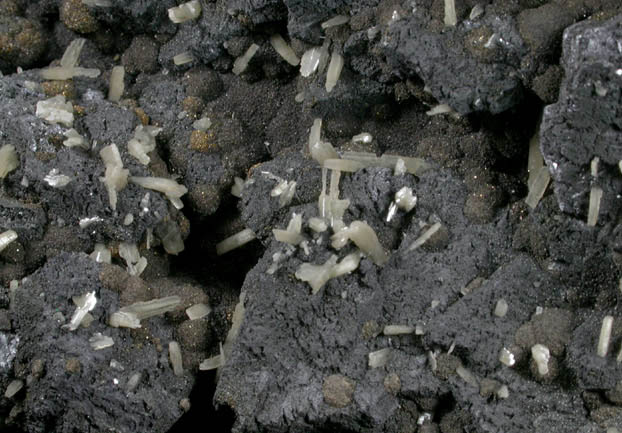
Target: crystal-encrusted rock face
329,202
77,364
584,123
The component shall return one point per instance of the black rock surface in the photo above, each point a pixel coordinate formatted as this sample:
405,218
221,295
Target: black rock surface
301,360
584,124
78,387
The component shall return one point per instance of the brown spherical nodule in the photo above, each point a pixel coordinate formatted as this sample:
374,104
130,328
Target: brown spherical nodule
77,17
141,55
546,85
202,141
478,209
205,198
338,390
203,83
113,277
22,42
72,365
136,290
194,335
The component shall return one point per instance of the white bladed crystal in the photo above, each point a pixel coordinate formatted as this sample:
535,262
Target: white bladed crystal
6,238
8,160
84,304
99,341
310,61
55,179
185,12
56,110
284,50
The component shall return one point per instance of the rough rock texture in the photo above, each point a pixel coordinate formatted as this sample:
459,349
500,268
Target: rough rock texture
303,17
529,407
585,261
27,220
40,149
334,341
583,124
440,59
353,97
236,139
552,327
261,211
483,64
590,370
481,350
301,361
204,40
401,293
137,16
78,387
